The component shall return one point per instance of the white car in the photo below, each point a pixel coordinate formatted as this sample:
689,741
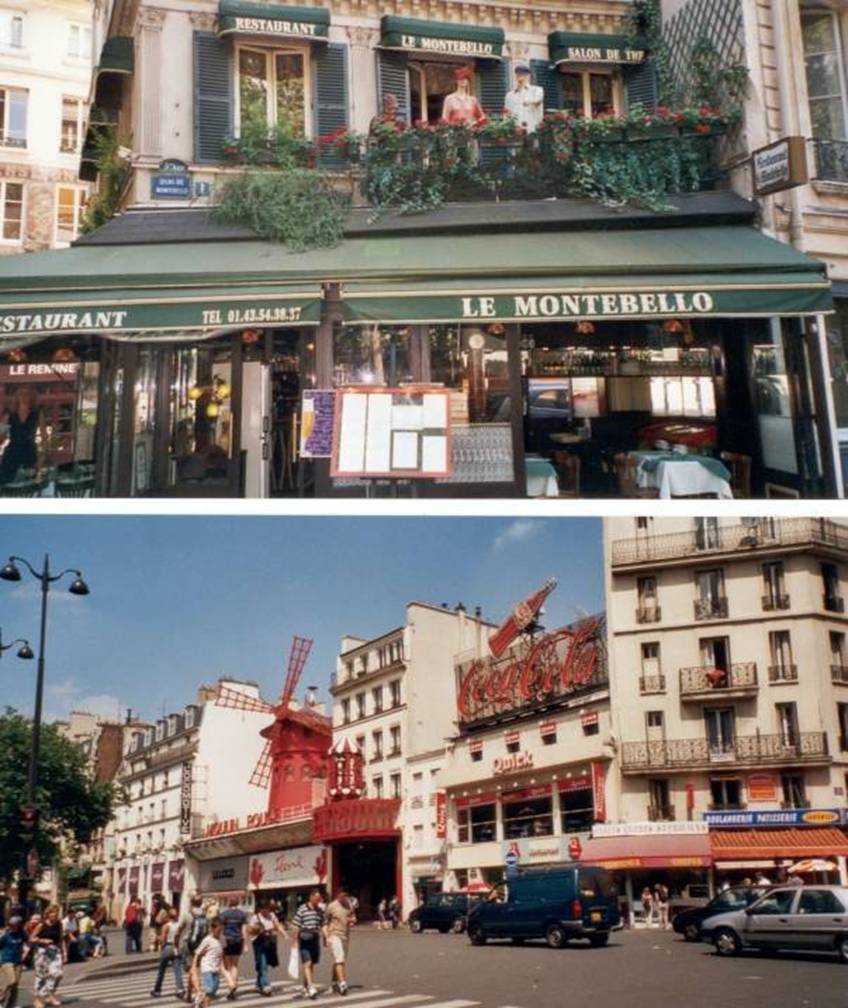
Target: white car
811,918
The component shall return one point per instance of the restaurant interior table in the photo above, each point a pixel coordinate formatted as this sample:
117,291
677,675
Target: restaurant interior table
683,475
541,477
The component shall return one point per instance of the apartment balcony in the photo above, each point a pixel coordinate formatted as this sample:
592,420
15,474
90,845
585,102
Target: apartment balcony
833,603
661,813
807,748
771,603
783,673
839,674
651,684
648,614
710,608
709,683
762,536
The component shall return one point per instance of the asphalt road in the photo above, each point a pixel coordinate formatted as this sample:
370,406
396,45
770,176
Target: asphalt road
639,969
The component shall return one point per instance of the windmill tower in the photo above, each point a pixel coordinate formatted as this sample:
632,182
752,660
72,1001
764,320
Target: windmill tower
295,752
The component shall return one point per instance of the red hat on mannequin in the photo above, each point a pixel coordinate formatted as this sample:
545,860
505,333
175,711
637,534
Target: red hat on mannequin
463,73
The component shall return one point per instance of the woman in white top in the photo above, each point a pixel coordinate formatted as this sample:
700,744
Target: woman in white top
169,935
265,926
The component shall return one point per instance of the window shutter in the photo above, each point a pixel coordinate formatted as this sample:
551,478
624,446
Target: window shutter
492,86
545,76
393,78
641,84
213,97
331,112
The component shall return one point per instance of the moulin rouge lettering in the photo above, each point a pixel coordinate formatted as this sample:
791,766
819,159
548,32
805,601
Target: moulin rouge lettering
559,663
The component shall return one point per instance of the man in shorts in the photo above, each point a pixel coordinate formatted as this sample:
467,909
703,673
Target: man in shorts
234,922
340,919
309,928
208,958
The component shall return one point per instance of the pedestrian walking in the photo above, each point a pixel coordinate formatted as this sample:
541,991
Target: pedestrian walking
309,930
133,925
265,926
394,912
760,879
169,937
647,899
158,917
13,946
383,914
207,964
661,905
194,927
234,920
50,955
340,919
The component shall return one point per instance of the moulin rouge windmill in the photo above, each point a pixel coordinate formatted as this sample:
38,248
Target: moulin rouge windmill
296,743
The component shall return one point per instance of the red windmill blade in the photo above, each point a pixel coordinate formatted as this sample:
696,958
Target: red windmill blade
262,771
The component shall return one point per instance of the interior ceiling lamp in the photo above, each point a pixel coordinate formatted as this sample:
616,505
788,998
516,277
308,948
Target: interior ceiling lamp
585,328
250,336
64,355
216,393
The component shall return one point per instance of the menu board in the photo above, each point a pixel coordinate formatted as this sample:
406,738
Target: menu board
404,433
316,423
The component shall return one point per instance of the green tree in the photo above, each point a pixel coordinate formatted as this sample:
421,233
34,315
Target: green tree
72,806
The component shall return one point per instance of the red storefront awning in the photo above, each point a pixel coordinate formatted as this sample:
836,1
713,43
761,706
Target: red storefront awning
660,851
792,843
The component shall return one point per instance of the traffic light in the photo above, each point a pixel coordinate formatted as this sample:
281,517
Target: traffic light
29,821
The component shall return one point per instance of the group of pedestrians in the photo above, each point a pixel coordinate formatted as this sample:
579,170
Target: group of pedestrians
203,946
388,913
42,941
655,906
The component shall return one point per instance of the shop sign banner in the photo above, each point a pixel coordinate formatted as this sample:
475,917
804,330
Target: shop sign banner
485,798
540,306
441,815
601,54
122,880
451,47
512,763
519,619
568,661
157,876
185,800
784,817
318,410
649,829
135,871
578,783
357,818
58,372
780,166
176,875
599,791
223,874
300,866
762,787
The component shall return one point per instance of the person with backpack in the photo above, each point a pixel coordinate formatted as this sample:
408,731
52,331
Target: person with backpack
13,947
194,927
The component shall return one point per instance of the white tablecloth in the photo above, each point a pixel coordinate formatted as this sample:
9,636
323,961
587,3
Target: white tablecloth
542,486
683,479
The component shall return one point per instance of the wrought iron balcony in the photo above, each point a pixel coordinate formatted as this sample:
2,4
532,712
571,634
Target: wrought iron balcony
706,681
772,602
831,159
833,603
765,534
839,673
651,684
710,608
783,673
742,751
648,614
661,813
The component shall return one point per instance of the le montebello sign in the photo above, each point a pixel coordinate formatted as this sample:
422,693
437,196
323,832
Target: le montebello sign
452,47
567,662
540,306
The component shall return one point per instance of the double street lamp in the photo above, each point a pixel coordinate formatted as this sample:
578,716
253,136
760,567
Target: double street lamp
29,812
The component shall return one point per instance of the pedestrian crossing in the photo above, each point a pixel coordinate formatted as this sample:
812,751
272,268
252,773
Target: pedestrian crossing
134,991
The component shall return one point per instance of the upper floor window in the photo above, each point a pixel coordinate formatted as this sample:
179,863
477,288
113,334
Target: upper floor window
346,711
590,93
360,705
394,692
377,695
70,208
11,29
13,116
824,59
73,125
79,41
12,203
272,88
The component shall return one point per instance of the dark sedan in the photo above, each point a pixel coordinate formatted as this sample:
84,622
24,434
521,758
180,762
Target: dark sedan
443,912
688,922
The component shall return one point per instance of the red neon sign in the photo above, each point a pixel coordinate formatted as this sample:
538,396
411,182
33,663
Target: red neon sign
560,663
519,619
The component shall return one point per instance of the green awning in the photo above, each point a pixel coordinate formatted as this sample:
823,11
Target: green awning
583,47
609,276
415,35
244,18
117,55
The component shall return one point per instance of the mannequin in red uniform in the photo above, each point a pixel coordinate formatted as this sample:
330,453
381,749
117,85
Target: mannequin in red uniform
461,108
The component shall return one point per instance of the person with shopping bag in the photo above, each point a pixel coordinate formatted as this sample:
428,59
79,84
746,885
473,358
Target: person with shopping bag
308,925
264,926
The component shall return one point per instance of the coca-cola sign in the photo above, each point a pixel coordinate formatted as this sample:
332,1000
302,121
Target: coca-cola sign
534,673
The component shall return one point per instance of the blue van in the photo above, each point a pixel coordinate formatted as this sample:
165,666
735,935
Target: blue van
554,902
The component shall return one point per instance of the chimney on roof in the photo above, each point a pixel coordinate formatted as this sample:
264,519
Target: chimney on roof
478,612
311,696
129,716
459,607
445,605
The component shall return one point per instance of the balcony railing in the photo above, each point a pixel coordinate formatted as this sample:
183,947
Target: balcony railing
839,673
764,534
772,602
651,684
831,159
710,608
709,679
648,614
660,813
783,673
744,750
833,603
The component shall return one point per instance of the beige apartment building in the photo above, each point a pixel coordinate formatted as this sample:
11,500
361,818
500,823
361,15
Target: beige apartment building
729,673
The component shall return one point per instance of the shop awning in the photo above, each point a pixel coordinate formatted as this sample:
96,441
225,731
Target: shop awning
605,275
650,851
583,47
117,55
239,17
791,844
415,35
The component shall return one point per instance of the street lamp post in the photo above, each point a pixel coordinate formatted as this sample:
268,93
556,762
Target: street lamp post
29,813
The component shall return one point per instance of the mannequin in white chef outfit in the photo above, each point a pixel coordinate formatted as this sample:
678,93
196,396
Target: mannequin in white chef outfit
525,103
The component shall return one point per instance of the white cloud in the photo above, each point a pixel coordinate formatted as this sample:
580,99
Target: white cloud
67,695
520,530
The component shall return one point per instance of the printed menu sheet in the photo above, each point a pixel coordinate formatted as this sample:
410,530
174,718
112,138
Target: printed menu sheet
401,433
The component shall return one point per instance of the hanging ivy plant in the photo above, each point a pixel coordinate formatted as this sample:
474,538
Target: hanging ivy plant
112,171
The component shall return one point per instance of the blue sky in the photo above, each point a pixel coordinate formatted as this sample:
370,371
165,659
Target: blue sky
178,601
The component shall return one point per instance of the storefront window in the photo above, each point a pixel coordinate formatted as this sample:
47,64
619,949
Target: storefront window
588,94
477,824
144,414
772,402
837,341
429,85
271,89
371,355
577,809
530,818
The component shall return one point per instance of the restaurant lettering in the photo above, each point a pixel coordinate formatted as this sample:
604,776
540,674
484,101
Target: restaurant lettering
586,305
62,321
560,663
509,764
455,47
592,54
272,26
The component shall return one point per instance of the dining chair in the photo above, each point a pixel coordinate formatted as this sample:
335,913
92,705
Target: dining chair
75,487
568,473
626,471
740,472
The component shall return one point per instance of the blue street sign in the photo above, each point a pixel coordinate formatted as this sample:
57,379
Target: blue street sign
202,188
171,186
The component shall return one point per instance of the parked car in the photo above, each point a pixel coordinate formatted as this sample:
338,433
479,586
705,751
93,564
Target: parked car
556,902
812,918
694,895
688,922
443,912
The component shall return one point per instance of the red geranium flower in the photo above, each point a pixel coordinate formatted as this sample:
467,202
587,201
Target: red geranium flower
702,128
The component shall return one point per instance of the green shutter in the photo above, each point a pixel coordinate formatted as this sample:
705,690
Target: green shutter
331,97
213,97
492,84
393,78
545,76
641,84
